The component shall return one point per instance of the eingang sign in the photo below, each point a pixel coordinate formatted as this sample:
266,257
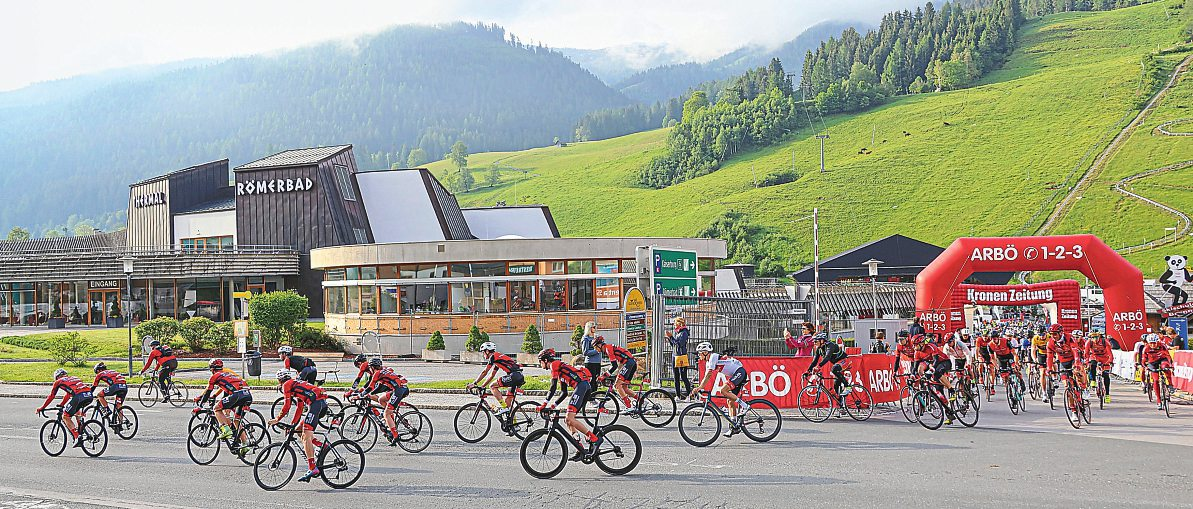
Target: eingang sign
273,186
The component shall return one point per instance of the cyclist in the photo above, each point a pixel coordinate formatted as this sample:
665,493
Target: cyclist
1000,346
826,352
984,356
619,356
362,365
565,375
117,388
237,397
734,372
1039,348
1098,353
1158,359
78,396
958,352
387,381
903,350
1063,354
163,355
512,378
1078,341
307,397
1140,369
297,363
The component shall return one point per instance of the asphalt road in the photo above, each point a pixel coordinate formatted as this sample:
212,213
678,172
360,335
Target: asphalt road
1129,457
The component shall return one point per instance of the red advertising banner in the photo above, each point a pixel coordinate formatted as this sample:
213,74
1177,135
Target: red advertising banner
779,379
1182,370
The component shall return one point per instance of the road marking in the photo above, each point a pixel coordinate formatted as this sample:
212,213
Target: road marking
18,437
87,499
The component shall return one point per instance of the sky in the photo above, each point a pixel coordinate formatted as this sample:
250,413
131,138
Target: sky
49,39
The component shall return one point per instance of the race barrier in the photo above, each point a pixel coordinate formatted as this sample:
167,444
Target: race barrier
1124,364
1182,370
780,379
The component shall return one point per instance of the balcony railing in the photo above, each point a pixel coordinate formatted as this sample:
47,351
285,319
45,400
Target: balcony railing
150,262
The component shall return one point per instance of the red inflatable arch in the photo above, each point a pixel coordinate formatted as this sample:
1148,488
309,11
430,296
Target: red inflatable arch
1121,282
1066,293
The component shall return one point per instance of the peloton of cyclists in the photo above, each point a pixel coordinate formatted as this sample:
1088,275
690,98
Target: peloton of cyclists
497,362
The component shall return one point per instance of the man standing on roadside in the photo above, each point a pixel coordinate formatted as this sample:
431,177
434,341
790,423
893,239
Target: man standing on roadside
914,328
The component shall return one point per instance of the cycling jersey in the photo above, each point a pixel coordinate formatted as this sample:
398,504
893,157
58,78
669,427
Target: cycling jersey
162,354
617,354
1061,350
1001,346
298,362
570,375
77,397
982,344
386,378
1099,350
364,368
1039,344
931,353
1153,355
227,382
111,377
504,362
723,363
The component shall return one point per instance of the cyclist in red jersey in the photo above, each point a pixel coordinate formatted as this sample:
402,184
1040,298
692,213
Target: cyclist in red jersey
1063,356
1000,346
498,362
619,357
1098,353
77,397
237,396
117,388
939,364
1157,358
903,350
386,380
307,397
163,355
565,375
361,362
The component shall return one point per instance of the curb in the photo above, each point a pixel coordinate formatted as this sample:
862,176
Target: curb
416,390
421,406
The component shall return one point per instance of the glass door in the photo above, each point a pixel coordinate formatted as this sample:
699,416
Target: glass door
100,303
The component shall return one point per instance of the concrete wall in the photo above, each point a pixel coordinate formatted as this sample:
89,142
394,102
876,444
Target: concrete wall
205,224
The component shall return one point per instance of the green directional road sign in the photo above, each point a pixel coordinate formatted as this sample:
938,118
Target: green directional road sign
673,273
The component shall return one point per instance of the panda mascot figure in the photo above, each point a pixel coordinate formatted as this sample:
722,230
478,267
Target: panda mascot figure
1173,279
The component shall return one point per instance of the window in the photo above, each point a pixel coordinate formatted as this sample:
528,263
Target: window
361,236
608,290
368,272
478,269
388,298
468,297
629,266
580,294
345,183
368,300
188,245
387,272
333,275
431,271
335,300
554,294
353,302
522,296
352,273
206,244
424,298
552,267
580,267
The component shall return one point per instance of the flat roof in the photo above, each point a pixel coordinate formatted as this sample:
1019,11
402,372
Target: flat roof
447,251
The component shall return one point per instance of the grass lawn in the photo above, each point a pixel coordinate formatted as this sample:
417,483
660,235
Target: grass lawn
44,371
110,343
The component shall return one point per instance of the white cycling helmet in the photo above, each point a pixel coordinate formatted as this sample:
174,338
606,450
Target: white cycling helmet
285,349
284,374
1077,333
704,346
489,346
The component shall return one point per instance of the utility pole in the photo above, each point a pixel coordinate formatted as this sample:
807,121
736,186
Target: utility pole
754,174
816,267
822,137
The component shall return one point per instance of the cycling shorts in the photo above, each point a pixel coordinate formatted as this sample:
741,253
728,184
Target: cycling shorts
960,363
314,412
579,396
1063,366
379,389
1041,359
237,399
1158,365
308,374
737,381
117,392
1004,361
77,402
626,373
398,394
167,368
513,379
941,368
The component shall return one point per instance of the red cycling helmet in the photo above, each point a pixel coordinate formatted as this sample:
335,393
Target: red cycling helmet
1056,329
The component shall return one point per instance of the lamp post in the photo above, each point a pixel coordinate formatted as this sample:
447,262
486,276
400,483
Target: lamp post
872,265
128,260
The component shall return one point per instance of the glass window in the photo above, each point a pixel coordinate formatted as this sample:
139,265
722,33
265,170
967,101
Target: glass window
388,299
345,183
163,298
188,245
408,271
606,266
353,302
468,297
352,273
430,271
368,273
554,294
552,267
522,268
608,293
333,275
580,294
368,300
496,295
335,300
629,266
478,269
431,299
387,272
226,242
522,296
580,267
200,298
361,236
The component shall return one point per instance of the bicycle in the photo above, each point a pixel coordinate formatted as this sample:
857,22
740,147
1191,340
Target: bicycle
656,407
334,405
1076,407
249,414
126,429
1034,389
1161,378
203,436
986,379
931,402
366,422
965,383
474,420
1015,389
544,451
910,385
340,463
817,401
1102,390
54,435
177,393
700,423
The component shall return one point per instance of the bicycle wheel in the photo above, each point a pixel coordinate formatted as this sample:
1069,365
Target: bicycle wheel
95,438
620,452
603,405
180,394
859,404
1073,408
657,408
523,419
203,443
1087,411
334,406
966,409
341,464
929,411
414,431
255,417
54,437
360,428
1167,408
543,453
699,424
472,423
256,438
761,423
905,395
276,407
127,428
815,404
275,466
147,394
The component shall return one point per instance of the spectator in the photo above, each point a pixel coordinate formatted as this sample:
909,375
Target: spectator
679,341
592,356
803,344
879,345
1173,339
914,328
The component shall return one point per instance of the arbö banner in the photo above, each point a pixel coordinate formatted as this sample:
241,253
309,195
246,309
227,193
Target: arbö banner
780,379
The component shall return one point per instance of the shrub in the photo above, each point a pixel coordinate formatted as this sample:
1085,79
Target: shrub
162,329
781,177
577,340
71,348
277,314
194,331
25,342
221,336
475,340
315,339
531,341
436,342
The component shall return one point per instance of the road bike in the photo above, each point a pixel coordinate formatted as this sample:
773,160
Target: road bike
965,383
931,406
700,423
248,414
1034,389
364,421
817,401
125,427
1016,389
544,451
1076,407
474,420
177,393
986,379
203,435
910,385
54,436
656,407
1101,389
334,405
340,463
1161,378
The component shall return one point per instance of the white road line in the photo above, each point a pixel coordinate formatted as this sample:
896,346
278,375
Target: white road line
87,499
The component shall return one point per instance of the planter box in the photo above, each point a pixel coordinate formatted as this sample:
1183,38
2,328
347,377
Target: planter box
56,323
528,359
436,355
472,357
114,323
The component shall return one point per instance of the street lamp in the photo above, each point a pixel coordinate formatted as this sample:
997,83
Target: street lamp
872,265
128,260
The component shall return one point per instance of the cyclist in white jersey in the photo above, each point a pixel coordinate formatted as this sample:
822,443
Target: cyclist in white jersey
734,371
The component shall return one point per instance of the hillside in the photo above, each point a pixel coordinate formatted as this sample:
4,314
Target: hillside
407,87
979,161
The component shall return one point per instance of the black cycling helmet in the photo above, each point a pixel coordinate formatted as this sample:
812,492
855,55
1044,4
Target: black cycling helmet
903,333
100,367
547,354
375,363
360,359
155,343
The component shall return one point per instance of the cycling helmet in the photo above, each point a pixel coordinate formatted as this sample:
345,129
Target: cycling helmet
215,365
100,367
155,343
1056,328
1077,333
547,354
59,373
284,374
599,340
375,363
489,346
285,350
1151,338
704,346
820,336
903,334
360,359
992,334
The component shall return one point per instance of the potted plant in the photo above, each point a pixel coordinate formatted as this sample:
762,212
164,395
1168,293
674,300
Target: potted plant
434,352
115,318
56,320
472,353
532,344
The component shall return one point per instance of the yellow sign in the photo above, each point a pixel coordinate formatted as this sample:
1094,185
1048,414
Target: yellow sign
242,295
636,344
635,302
241,328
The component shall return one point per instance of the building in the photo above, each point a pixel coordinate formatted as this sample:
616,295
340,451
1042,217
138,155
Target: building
902,259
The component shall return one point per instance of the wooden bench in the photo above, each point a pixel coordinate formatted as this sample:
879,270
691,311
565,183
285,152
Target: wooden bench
322,360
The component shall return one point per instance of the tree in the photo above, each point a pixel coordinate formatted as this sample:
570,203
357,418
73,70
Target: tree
577,339
475,339
277,314
467,181
52,233
458,155
531,341
436,341
698,101
493,176
84,229
417,157
18,233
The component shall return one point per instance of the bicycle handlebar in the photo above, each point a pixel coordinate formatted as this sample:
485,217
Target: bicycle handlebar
57,408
